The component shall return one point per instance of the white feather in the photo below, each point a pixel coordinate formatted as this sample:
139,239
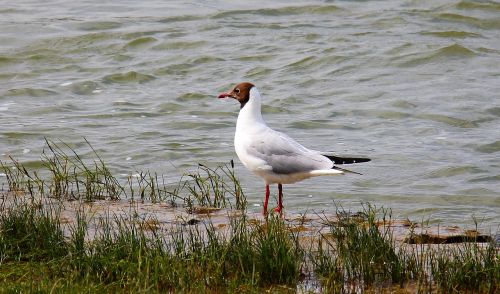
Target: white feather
272,155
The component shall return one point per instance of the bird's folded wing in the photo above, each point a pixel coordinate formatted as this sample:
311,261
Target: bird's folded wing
284,155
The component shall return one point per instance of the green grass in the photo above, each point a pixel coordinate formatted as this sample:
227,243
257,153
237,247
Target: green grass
126,254
30,233
68,176
356,250
472,268
361,252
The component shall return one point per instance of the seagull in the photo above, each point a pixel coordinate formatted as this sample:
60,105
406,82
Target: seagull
273,155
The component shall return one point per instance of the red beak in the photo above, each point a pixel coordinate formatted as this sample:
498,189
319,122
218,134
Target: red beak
224,95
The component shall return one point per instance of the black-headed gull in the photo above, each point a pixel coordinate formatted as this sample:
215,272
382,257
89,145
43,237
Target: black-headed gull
272,155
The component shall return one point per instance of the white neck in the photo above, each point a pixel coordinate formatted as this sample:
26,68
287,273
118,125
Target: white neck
250,113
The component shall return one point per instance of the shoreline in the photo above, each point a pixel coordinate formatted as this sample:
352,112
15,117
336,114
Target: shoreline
318,241
72,226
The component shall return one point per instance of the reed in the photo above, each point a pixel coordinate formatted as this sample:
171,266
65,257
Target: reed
30,232
125,255
66,175
471,267
129,253
359,253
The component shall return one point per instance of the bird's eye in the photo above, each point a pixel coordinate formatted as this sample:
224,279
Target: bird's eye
237,90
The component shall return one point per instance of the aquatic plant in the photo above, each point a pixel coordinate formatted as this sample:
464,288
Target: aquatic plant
66,175
360,253
40,252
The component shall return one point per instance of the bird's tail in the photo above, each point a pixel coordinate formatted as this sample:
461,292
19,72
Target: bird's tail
346,160
345,170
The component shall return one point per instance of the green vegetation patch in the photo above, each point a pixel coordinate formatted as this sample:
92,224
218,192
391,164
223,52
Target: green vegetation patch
40,251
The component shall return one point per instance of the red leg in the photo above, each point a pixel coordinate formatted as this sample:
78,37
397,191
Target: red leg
267,200
279,209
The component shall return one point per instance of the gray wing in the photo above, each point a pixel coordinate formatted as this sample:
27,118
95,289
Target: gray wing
285,155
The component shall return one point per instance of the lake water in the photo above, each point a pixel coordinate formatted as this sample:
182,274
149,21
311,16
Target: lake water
415,85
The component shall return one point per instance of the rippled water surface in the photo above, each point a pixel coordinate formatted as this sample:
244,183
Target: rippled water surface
415,85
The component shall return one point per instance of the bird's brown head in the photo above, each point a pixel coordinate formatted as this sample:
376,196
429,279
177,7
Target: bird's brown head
240,92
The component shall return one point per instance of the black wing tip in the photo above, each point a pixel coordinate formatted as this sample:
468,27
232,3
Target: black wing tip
347,160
